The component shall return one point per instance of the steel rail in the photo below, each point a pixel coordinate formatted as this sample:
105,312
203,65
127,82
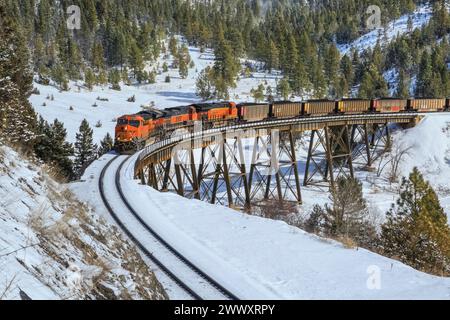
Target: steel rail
147,253
225,292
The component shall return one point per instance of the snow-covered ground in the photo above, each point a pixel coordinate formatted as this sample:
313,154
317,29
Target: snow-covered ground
420,17
176,93
54,247
277,261
260,258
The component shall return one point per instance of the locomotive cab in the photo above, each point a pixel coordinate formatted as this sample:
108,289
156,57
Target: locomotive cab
128,128
132,131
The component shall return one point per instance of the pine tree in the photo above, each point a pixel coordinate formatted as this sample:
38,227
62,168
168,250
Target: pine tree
441,18
273,59
284,89
204,85
17,117
373,84
425,76
44,19
173,46
410,24
183,69
377,58
59,75
258,94
403,85
136,59
165,67
366,87
152,77
125,76
98,56
106,145
319,81
416,231
74,63
184,54
347,72
315,220
85,149
52,148
292,60
114,79
358,67
89,79
348,211
226,67
299,81
102,78
332,60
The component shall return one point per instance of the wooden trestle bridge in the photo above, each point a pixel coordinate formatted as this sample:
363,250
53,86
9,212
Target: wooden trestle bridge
241,165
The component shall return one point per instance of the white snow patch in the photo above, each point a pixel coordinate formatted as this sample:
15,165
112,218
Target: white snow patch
420,17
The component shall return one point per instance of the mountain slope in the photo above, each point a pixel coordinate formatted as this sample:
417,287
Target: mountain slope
54,247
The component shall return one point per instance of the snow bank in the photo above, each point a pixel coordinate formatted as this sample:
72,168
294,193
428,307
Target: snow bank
54,247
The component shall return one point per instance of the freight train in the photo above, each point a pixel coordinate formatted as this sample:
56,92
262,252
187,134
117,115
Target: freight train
133,131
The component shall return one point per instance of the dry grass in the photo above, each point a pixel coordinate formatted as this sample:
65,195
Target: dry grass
55,174
38,218
348,242
275,210
7,288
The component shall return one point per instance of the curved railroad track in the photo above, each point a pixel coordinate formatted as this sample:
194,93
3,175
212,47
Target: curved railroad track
182,272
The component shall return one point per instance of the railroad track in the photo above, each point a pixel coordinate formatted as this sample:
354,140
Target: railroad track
182,272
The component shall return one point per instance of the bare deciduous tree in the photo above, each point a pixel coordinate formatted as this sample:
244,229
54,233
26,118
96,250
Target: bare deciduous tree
392,162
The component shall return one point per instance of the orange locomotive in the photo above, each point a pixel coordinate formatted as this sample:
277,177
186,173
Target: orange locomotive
132,131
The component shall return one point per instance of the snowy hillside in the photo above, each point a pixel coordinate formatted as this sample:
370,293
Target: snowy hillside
53,247
420,17
176,93
260,258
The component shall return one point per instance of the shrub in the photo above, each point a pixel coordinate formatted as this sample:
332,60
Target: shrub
416,231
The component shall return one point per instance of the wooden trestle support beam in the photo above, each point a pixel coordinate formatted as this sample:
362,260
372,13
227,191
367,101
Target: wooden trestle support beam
240,171
334,150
